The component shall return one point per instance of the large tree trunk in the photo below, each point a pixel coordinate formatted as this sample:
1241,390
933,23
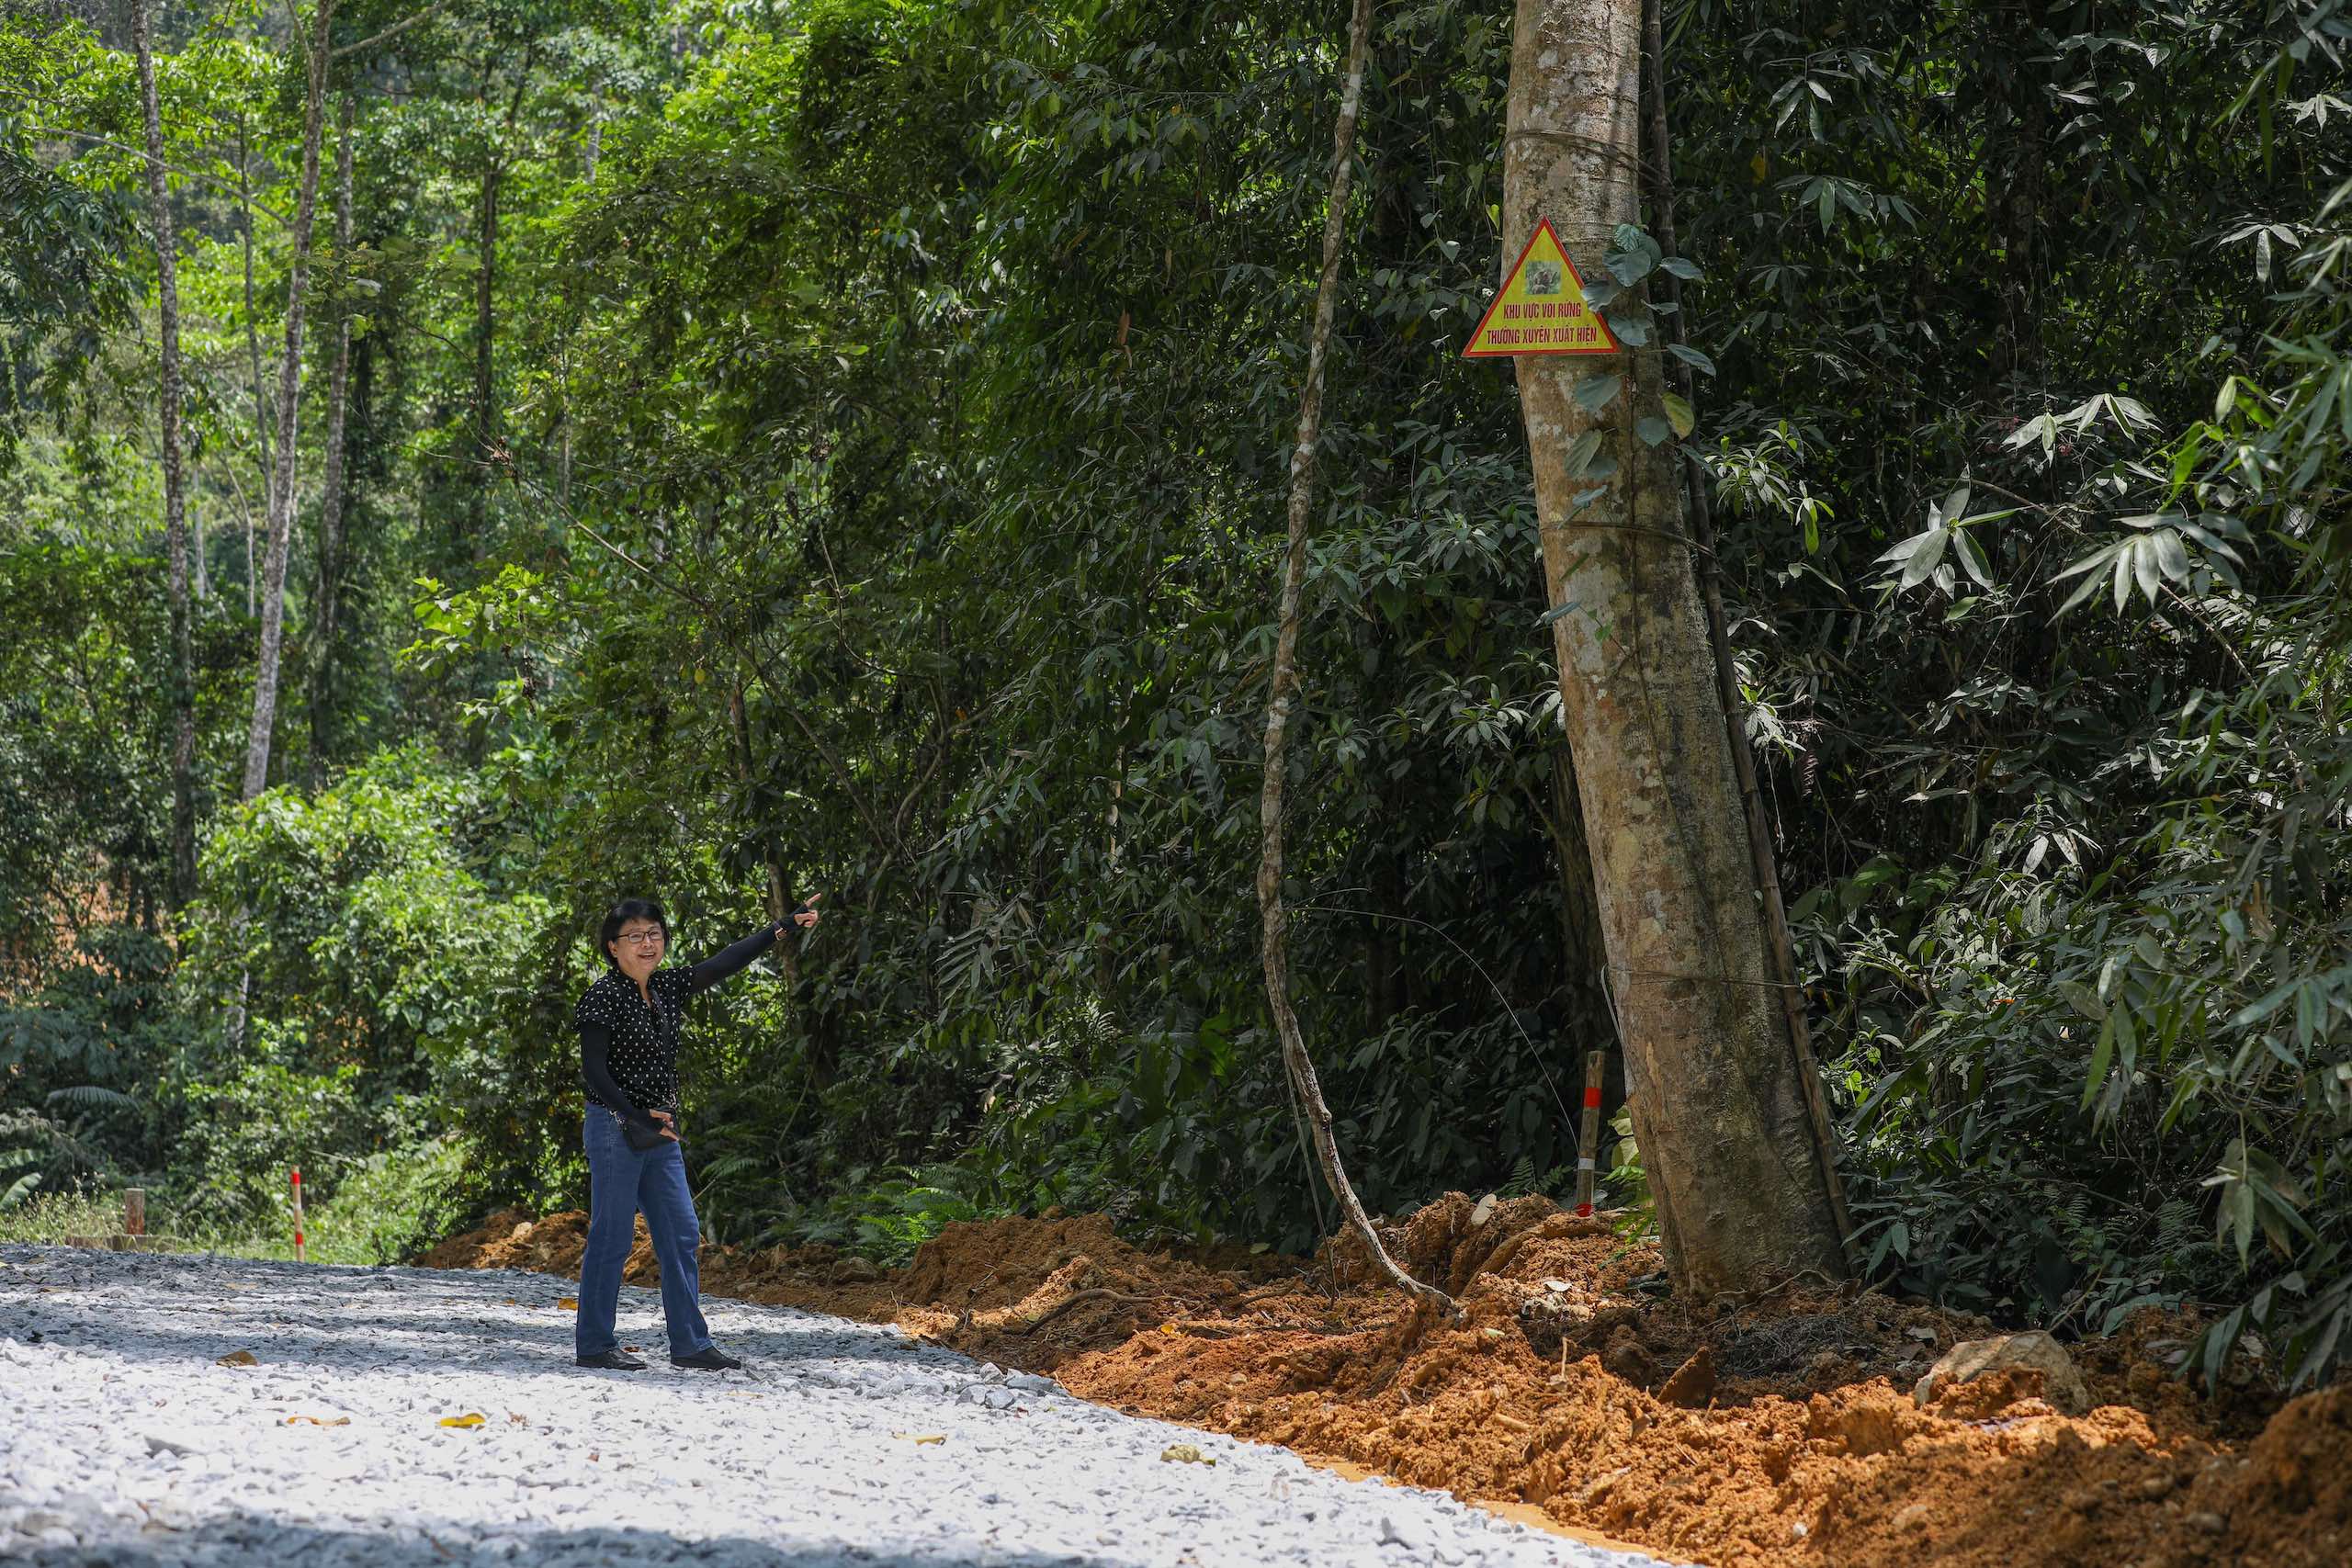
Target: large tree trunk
1283,687
289,378
1761,850
1717,1102
330,496
182,682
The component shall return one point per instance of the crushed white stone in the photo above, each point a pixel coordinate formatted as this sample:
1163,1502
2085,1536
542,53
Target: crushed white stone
124,1442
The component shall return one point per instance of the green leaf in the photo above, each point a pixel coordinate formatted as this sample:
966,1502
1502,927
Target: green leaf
1594,392
1971,559
1652,430
1580,452
1692,356
1678,409
1926,554
2101,1053
2083,999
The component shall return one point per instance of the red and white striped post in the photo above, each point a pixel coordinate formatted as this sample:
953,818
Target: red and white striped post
1589,1139
298,1214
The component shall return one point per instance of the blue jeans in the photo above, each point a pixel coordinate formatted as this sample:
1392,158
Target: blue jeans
621,1182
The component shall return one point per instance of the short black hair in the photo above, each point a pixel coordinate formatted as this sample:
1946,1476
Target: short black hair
619,914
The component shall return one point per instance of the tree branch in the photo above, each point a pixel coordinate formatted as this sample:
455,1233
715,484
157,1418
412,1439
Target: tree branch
401,27
181,170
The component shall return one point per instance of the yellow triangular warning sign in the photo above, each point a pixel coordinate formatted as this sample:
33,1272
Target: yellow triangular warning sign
1541,309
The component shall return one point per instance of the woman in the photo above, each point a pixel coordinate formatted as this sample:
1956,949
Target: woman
629,1059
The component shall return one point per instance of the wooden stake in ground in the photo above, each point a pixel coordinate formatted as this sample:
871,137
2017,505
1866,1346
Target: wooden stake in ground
1717,1101
134,1210
1300,1067
1589,1136
298,1214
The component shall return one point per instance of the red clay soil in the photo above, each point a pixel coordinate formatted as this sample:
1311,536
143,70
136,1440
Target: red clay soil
1777,1431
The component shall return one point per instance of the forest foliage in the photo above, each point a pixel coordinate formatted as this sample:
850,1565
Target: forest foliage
851,436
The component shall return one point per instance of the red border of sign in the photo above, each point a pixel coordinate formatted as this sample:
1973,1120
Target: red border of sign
1543,227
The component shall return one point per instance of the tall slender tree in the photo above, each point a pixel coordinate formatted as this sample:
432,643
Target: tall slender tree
182,682
316,43
1282,688
331,497
1717,1099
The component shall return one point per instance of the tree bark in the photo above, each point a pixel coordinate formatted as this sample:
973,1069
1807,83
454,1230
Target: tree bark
330,496
289,378
1273,919
1702,532
168,290
1717,1103
253,344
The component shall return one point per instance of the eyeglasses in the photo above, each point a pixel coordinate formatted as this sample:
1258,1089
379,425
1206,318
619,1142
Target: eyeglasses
642,939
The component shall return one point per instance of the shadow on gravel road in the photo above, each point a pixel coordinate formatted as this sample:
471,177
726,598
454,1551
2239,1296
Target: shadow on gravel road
236,1541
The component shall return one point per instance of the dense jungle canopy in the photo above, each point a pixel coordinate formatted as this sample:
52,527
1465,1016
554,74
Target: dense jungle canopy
851,437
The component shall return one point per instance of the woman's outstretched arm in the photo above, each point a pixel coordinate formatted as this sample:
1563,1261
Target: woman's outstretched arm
596,1071
728,960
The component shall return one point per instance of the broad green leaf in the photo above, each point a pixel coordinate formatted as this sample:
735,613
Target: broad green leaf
1925,557
1971,559
1593,393
1678,411
1580,452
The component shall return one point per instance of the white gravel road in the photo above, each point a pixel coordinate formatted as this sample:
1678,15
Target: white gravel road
124,1441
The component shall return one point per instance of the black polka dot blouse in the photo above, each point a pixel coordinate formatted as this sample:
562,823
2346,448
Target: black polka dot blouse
629,1047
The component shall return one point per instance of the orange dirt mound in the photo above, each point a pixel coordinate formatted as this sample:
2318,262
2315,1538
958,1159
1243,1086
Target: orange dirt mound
1792,1438
552,1244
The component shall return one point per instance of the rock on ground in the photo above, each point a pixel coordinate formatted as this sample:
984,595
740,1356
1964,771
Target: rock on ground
2033,1351
125,1440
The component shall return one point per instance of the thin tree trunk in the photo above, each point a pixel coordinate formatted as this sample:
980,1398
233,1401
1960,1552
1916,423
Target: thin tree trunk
1717,1100
182,671
330,496
563,382
1702,533
290,377
195,528
1581,949
485,365
253,339
1274,919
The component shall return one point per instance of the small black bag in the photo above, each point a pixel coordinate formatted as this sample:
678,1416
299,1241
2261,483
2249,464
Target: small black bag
641,1138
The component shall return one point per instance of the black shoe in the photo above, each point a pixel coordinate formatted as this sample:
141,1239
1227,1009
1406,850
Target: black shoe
711,1358
612,1362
